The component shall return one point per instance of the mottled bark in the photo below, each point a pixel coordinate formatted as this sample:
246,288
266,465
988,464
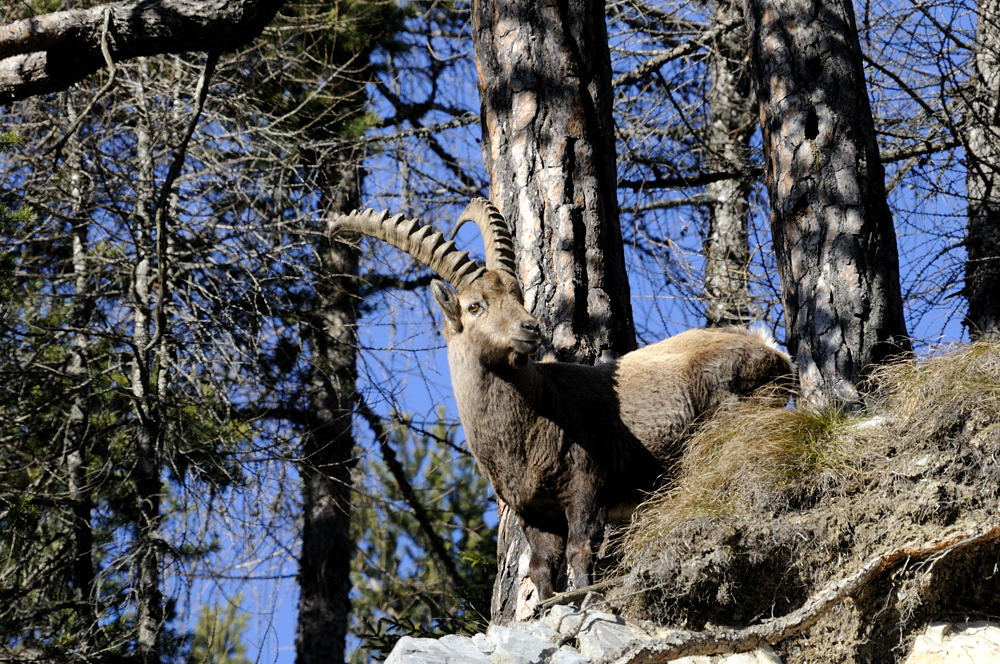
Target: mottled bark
328,452
731,124
833,234
548,145
53,51
982,153
514,594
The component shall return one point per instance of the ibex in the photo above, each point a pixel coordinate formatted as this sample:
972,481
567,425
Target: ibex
565,444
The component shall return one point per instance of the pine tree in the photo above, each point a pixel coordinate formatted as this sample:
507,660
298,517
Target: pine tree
11,215
403,588
219,635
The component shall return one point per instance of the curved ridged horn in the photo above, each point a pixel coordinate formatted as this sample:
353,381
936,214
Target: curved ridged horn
496,234
424,243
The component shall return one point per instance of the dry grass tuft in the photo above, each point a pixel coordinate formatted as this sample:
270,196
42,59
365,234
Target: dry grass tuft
750,455
755,459
941,394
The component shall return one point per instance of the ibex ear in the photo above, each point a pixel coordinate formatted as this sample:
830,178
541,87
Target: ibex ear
448,301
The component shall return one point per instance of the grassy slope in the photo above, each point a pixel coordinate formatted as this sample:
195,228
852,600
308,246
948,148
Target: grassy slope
772,504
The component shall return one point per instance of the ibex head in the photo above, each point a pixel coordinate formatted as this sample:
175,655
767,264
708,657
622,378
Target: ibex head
485,314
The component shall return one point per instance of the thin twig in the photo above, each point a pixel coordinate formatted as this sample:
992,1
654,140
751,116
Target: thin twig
685,49
580,593
112,71
409,495
910,163
200,94
425,130
940,116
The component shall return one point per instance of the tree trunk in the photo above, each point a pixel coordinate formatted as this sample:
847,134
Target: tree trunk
548,144
77,428
328,452
148,450
982,153
833,232
731,124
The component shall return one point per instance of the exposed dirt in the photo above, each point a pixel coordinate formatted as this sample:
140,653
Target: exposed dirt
803,500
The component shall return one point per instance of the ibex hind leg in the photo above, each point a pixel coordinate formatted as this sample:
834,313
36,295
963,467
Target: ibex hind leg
586,530
546,558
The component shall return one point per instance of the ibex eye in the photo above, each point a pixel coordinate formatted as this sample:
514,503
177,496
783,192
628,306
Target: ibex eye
474,308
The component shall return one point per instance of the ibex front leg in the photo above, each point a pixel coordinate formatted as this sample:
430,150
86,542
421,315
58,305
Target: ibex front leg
546,559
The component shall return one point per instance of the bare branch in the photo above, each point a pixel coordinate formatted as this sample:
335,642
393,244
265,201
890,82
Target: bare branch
112,72
571,596
51,52
409,495
691,180
940,116
168,184
657,61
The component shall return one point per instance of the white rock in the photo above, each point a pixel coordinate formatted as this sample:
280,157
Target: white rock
571,623
484,644
599,634
971,643
518,646
568,655
557,615
539,629
603,633
450,649
761,656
